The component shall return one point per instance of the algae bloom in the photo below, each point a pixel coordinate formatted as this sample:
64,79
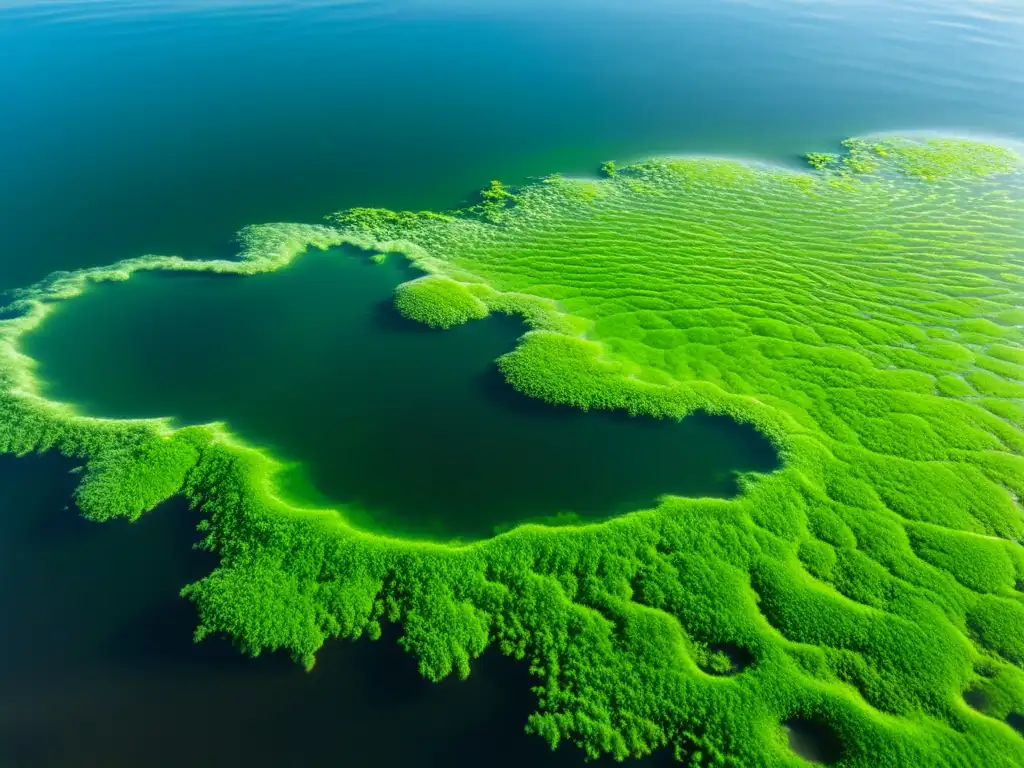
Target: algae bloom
866,316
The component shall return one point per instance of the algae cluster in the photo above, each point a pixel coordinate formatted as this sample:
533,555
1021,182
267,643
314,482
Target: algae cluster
866,315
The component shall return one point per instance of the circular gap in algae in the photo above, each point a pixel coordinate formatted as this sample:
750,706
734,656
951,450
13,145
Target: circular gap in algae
405,428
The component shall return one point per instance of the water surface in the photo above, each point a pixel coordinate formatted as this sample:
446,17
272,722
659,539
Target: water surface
139,126
152,126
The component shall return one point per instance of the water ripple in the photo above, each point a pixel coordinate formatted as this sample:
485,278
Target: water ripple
63,11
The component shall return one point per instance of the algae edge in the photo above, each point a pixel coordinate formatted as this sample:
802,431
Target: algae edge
870,582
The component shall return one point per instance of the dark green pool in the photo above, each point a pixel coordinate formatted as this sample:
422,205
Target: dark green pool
411,429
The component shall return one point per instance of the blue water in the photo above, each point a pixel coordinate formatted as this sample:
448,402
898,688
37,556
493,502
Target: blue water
135,127
154,126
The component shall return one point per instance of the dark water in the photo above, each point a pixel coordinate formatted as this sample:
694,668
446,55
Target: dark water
151,126
98,667
814,741
413,429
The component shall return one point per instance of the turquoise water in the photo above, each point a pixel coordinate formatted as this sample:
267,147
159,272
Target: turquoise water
135,127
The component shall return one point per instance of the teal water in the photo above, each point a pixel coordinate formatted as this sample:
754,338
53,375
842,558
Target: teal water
135,126
412,430
149,126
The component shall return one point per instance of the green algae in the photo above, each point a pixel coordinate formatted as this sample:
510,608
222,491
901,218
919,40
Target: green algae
871,581
438,302
930,159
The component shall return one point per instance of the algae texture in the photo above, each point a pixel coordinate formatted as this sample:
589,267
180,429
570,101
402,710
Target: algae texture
866,315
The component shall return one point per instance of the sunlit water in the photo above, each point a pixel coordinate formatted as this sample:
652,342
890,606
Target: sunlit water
134,127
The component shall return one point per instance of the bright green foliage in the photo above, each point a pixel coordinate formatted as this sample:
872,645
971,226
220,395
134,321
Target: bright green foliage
382,223
928,159
494,200
127,481
822,161
438,302
608,168
997,622
939,158
864,316
982,563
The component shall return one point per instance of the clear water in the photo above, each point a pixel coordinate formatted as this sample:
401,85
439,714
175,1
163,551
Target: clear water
134,127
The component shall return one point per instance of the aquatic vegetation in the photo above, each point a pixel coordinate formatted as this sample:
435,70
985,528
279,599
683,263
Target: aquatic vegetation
928,159
864,315
438,302
821,161
938,158
494,199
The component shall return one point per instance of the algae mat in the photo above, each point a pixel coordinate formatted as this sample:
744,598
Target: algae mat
866,316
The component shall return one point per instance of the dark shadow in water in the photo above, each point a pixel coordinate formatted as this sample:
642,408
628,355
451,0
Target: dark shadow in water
60,525
1016,721
410,429
814,740
503,396
9,313
388,319
976,699
99,669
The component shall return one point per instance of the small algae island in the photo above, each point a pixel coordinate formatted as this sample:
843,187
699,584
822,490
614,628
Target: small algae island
861,603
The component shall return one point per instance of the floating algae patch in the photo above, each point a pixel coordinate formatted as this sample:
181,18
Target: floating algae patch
866,316
407,429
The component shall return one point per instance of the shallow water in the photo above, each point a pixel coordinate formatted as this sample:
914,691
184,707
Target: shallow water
411,429
148,126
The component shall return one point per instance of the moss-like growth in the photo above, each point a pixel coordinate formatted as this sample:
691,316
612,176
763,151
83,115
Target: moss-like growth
127,481
861,316
438,302
822,161
494,199
940,158
384,224
928,159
